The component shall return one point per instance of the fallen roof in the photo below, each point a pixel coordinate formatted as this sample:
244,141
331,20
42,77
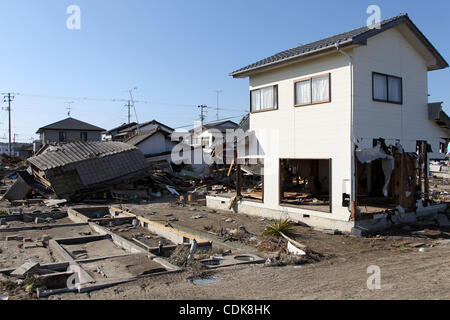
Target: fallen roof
144,135
356,36
71,124
54,156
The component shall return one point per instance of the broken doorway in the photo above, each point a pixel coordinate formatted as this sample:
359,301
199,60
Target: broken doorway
306,183
253,180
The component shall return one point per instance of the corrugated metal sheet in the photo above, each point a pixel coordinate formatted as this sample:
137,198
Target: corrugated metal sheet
74,152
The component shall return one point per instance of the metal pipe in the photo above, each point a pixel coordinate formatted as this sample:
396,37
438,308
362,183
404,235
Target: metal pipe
352,139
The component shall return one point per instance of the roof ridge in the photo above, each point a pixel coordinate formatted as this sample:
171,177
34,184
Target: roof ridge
361,32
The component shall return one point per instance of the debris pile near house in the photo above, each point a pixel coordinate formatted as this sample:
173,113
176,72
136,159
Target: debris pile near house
98,171
75,169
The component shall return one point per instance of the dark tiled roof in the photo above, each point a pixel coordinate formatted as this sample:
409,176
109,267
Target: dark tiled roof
122,127
71,124
154,122
144,135
217,125
54,156
356,36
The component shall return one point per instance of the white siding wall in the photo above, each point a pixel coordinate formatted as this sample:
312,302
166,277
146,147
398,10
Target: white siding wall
157,143
391,53
317,131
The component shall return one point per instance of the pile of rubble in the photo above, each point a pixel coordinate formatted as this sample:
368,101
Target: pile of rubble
98,171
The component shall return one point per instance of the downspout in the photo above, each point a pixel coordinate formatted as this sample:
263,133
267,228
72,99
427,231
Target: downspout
352,208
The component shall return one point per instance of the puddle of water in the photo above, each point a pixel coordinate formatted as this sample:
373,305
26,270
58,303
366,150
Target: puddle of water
204,281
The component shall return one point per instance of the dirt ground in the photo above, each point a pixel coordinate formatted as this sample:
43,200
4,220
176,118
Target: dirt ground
414,264
406,274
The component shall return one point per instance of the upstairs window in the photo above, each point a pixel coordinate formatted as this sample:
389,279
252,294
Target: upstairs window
62,136
83,136
387,88
264,99
312,90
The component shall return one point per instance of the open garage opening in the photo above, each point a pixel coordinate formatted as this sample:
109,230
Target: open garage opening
306,183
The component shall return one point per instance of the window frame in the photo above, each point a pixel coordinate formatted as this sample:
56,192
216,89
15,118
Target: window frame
387,76
82,135
64,135
275,99
311,90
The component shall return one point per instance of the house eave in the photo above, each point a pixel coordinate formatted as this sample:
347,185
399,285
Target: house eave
290,60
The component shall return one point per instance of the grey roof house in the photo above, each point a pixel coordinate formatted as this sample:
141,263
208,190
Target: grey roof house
72,167
69,130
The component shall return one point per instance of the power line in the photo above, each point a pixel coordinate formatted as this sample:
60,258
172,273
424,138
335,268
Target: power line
119,100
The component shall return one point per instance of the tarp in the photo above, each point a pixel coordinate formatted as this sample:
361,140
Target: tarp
387,162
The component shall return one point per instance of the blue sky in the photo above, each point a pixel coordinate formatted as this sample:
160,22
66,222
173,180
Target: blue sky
176,52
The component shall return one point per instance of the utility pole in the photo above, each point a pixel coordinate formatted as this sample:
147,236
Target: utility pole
9,98
132,104
217,106
202,113
128,105
14,143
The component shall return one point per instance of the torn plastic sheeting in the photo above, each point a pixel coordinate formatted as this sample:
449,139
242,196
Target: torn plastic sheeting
172,190
369,155
387,162
388,166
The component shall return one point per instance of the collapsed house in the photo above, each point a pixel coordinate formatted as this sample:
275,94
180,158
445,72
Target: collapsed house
343,131
75,168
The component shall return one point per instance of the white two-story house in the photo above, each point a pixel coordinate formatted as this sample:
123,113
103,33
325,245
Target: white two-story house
345,130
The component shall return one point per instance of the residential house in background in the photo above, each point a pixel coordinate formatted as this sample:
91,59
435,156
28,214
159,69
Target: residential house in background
345,129
70,130
126,131
155,144
113,134
204,135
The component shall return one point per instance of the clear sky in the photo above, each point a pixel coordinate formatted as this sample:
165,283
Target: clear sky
176,52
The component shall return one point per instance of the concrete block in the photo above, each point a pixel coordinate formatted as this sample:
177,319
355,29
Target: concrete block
359,232
327,231
24,269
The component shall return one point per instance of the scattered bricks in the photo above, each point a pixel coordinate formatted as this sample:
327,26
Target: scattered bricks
23,270
38,220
